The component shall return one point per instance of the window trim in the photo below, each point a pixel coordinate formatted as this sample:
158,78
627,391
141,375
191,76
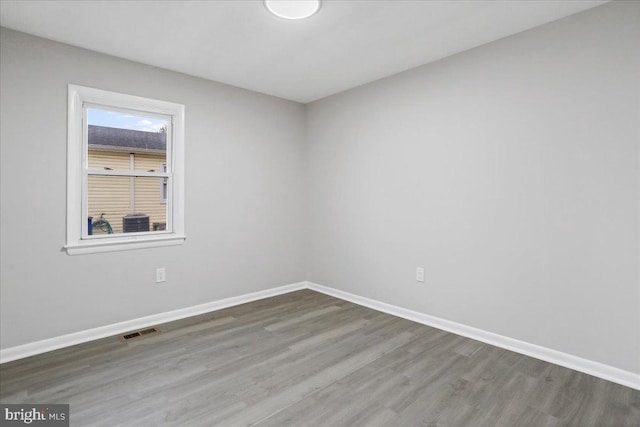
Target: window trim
78,96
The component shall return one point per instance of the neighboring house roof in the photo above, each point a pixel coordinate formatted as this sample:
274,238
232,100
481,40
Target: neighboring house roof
114,139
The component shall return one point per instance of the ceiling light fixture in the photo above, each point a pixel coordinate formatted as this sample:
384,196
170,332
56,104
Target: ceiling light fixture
292,9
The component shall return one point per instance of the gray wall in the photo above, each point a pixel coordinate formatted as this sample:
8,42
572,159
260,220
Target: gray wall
510,172
244,164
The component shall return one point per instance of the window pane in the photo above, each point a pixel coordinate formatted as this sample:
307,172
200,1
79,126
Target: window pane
126,141
122,204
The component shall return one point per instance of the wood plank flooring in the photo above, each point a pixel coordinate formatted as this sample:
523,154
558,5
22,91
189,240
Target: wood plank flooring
308,359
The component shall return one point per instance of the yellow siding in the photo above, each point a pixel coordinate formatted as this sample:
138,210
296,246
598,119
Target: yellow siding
111,194
148,162
147,200
109,159
148,191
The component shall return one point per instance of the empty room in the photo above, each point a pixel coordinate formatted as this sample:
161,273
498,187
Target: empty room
320,213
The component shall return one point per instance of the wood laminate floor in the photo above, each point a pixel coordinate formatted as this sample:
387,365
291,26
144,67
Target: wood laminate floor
308,359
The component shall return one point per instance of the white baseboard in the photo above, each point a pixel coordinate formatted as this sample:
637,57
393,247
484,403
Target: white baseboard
590,367
38,347
576,363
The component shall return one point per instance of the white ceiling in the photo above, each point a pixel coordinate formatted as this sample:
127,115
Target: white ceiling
346,44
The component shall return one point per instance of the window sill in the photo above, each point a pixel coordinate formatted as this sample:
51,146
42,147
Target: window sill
95,246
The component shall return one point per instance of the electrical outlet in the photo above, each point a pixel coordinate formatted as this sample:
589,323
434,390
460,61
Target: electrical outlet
420,274
161,275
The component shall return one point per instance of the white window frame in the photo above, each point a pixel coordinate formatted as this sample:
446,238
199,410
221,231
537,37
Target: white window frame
78,240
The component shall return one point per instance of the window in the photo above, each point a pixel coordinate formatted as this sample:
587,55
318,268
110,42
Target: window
163,186
121,149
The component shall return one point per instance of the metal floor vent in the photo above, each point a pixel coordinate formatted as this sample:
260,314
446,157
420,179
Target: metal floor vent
138,334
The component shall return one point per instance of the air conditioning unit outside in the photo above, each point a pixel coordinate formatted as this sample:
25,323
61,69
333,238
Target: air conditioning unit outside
135,223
